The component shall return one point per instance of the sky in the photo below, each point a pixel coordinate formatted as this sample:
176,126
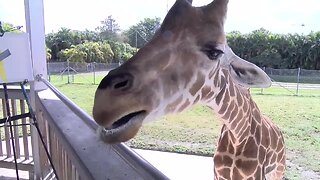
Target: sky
278,16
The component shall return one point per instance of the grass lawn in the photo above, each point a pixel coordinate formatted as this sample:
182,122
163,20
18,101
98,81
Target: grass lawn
196,131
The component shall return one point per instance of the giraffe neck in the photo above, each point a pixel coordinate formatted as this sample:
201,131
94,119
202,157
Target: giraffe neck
235,107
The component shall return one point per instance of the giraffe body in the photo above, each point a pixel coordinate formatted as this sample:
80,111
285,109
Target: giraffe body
188,61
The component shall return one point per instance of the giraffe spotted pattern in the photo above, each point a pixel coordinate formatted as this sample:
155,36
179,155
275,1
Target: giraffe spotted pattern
250,145
189,62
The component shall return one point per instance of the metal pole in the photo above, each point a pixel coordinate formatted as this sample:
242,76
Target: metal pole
298,81
49,75
134,160
68,70
264,69
94,72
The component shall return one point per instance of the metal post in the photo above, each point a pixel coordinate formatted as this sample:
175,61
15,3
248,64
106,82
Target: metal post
264,69
68,70
298,81
94,72
49,75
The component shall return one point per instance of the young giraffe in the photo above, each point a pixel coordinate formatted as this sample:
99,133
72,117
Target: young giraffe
187,62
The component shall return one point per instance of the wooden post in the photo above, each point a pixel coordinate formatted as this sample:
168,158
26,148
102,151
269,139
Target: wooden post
34,16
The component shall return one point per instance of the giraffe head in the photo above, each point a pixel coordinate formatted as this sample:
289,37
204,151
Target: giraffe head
175,70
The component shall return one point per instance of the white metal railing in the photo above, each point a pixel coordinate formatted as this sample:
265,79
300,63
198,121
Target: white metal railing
75,148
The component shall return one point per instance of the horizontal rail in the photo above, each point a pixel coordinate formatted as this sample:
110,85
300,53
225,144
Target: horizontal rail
14,92
14,118
139,164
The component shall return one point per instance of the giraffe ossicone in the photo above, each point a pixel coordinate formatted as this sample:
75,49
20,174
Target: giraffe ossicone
188,61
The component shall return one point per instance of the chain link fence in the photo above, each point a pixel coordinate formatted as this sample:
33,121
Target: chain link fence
294,80
62,67
81,73
294,75
291,81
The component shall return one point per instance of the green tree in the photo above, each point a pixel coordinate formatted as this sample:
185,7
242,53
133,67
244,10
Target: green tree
128,52
100,52
65,38
141,33
73,54
109,29
48,54
88,35
122,51
313,59
277,50
61,40
8,27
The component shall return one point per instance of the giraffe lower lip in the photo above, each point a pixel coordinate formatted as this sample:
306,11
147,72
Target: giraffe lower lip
125,119
123,129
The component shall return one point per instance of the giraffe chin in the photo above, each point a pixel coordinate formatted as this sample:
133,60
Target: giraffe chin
123,129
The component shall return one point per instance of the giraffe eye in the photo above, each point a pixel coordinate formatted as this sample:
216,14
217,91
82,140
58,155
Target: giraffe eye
213,53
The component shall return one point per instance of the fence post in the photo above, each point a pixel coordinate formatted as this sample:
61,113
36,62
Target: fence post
264,69
68,70
49,74
298,80
94,72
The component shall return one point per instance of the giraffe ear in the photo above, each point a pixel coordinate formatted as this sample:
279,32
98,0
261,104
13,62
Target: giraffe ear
218,7
247,74
219,4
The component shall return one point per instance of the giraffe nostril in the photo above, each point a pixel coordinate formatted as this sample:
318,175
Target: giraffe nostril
122,84
117,81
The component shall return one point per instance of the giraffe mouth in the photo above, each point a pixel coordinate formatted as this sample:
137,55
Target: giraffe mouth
126,119
124,128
